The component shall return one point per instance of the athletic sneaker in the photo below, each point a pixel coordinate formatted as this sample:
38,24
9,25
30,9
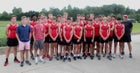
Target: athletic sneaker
5,63
57,58
22,64
99,57
42,60
104,54
71,54
79,57
61,57
51,59
91,57
16,61
36,60
64,59
32,57
123,53
74,58
46,56
114,55
28,63
121,56
130,55
69,59
85,57
109,58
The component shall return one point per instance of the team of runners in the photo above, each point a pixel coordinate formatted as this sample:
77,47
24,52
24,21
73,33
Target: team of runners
62,38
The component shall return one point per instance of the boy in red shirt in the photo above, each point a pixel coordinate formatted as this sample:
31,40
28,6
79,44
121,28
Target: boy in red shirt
67,35
104,33
119,33
11,39
53,31
110,39
89,39
39,37
77,40
96,25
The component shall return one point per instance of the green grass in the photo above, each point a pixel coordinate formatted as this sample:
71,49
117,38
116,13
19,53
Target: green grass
136,28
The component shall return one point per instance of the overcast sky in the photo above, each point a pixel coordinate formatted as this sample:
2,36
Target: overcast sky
37,5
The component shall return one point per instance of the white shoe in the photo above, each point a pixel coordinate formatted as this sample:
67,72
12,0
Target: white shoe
121,56
42,60
36,60
114,55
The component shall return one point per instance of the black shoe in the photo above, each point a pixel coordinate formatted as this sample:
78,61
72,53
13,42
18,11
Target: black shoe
21,64
104,54
27,62
64,59
83,54
99,57
85,57
109,58
57,58
80,57
51,59
71,54
32,57
74,58
61,57
123,53
91,57
69,59
130,55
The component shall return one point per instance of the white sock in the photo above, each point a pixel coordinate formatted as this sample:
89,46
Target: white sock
78,55
41,58
36,59
68,56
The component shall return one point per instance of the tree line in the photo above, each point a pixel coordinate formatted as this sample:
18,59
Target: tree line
105,10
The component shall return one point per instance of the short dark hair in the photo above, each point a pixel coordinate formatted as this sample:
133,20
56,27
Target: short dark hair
58,15
113,16
12,16
23,17
119,19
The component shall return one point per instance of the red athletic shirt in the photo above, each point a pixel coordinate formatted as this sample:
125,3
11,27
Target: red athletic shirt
49,21
68,30
119,29
104,30
111,31
62,26
12,31
88,31
97,28
32,24
77,31
54,30
46,28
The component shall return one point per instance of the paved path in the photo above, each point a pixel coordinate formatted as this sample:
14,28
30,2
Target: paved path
81,66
